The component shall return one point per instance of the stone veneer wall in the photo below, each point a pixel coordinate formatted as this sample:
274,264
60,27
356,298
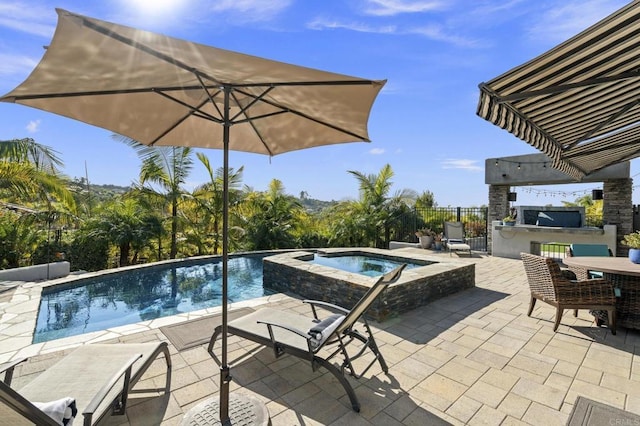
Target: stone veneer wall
617,209
413,289
498,207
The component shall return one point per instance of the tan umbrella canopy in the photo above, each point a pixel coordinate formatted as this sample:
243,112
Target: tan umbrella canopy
159,90
579,102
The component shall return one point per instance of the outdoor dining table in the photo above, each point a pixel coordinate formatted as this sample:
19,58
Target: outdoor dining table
625,277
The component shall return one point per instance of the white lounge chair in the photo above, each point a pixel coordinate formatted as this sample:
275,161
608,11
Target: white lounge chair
454,239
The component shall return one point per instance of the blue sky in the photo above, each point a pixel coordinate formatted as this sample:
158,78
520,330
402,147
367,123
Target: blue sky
433,54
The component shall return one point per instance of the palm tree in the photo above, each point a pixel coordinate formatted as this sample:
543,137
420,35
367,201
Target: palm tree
29,172
125,223
269,218
209,197
164,169
375,209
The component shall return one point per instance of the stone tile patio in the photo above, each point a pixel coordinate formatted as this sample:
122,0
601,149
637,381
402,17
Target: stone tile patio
472,358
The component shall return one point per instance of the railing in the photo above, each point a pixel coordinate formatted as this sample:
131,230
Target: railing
554,250
474,220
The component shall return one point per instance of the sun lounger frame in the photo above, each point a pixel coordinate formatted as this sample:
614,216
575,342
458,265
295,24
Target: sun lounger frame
143,355
302,346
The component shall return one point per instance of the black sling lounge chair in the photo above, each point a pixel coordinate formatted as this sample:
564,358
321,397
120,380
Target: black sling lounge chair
98,377
304,336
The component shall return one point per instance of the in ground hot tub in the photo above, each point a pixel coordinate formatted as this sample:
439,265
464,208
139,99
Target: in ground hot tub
429,279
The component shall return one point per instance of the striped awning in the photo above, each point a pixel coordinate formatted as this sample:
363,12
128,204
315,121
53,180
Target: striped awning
578,103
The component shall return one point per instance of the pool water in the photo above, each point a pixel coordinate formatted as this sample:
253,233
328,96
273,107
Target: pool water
144,294
371,266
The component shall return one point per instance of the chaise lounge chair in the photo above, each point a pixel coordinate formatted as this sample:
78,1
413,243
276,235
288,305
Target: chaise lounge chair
99,377
454,237
304,337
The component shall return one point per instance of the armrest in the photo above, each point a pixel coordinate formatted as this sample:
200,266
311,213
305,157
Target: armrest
7,369
320,303
284,327
566,287
102,393
278,349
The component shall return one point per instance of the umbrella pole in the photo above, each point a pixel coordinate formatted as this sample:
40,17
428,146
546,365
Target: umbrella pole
225,377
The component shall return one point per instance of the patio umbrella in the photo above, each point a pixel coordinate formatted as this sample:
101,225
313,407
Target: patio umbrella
160,90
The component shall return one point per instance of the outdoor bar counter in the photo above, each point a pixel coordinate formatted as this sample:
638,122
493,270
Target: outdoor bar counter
510,241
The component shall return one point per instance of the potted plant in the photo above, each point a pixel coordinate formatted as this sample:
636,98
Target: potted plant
633,242
425,236
437,241
509,220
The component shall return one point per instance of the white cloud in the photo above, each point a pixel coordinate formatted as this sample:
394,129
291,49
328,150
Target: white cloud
28,18
322,23
570,18
432,32
16,64
395,7
376,151
438,33
250,10
33,126
470,165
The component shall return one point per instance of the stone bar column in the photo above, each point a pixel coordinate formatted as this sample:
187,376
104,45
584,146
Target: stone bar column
498,207
617,209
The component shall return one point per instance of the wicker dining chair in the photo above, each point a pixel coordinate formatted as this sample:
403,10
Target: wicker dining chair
548,284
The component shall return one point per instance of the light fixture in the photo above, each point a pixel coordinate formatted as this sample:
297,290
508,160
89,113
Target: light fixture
512,196
597,194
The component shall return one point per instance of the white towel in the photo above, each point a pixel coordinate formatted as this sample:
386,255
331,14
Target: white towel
62,411
321,331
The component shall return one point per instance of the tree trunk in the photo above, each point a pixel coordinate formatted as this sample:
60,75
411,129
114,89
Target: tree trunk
124,254
174,229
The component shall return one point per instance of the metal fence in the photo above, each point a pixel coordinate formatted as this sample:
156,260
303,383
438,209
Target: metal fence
473,218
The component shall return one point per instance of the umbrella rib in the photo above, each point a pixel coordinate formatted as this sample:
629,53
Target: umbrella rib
176,124
245,108
194,110
251,120
106,92
308,117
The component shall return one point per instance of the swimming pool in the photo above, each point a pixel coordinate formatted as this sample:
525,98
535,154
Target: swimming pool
144,294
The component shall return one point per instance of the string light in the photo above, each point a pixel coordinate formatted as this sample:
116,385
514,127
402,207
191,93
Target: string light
519,162
564,194
546,192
